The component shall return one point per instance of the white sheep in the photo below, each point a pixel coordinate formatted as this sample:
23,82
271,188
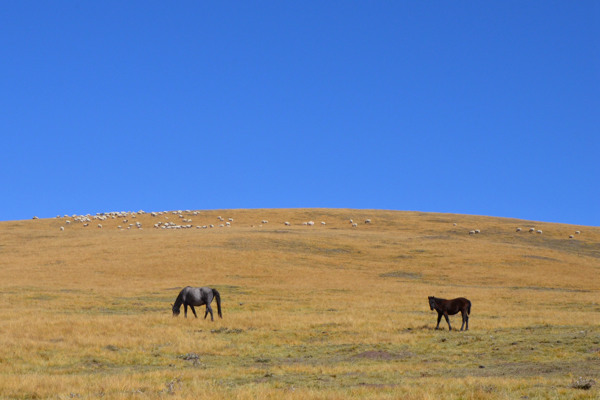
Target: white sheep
99,225
539,231
286,223
354,224
518,229
367,221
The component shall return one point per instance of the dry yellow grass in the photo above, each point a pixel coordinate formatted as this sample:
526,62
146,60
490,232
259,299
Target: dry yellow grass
329,311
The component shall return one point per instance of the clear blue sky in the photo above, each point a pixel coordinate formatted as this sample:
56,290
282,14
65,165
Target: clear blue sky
486,108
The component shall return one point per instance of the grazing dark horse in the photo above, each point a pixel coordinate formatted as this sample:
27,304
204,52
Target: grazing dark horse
197,296
450,307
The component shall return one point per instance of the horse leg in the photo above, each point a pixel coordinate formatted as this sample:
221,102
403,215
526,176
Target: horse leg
194,311
467,321
209,310
448,321
463,320
439,319
185,310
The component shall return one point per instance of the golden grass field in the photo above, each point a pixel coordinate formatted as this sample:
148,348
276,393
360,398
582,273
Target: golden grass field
325,311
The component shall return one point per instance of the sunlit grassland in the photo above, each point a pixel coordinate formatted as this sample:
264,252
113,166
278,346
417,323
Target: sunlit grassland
328,311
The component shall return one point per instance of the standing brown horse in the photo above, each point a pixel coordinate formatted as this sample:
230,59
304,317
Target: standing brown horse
450,307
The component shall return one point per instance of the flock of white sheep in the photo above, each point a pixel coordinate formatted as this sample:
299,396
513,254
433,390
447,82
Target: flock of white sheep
531,230
184,223
539,232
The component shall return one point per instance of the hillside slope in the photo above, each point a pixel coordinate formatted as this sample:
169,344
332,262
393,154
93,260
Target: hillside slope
331,310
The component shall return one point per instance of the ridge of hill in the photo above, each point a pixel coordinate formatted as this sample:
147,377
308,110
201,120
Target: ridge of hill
390,237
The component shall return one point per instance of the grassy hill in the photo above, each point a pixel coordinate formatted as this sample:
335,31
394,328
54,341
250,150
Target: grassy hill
324,311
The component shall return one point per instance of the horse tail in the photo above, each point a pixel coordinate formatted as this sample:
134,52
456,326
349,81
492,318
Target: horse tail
218,298
469,308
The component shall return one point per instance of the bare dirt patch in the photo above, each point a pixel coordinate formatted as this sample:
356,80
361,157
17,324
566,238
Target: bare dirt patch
577,368
381,355
402,274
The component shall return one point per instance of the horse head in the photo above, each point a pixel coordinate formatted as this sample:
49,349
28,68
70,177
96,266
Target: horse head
432,303
176,310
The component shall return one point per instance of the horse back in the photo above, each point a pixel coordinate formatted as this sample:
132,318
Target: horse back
197,296
457,305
